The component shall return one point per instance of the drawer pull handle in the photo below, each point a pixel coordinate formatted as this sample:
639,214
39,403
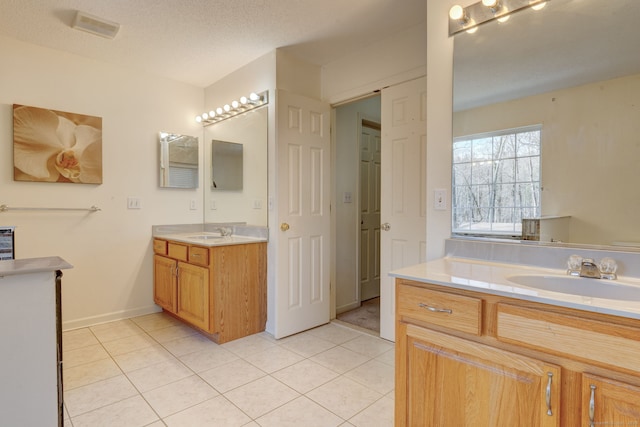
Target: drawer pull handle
592,406
196,255
547,394
436,310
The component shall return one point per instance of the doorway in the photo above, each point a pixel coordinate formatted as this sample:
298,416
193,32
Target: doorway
357,212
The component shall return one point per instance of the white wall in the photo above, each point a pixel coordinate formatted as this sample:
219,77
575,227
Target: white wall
589,153
397,59
346,157
439,108
111,249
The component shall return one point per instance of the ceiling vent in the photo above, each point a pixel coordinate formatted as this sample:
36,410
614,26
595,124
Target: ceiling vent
94,25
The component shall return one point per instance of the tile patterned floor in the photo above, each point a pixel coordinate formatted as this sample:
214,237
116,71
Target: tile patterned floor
155,371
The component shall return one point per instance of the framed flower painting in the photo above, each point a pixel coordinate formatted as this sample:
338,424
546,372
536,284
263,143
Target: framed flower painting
56,146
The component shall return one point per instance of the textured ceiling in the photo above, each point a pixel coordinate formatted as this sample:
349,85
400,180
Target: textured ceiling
200,41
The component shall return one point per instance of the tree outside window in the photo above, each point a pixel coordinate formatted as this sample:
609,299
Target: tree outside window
496,181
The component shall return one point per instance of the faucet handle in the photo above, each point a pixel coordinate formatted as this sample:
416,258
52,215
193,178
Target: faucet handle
608,267
573,265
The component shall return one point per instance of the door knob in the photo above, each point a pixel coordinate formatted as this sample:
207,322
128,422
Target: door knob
386,226
284,226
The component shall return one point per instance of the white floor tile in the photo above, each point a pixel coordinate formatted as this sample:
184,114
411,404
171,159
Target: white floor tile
102,393
83,355
374,375
320,377
344,397
261,396
180,395
216,412
131,412
305,376
78,338
115,330
155,376
231,375
273,359
89,373
368,346
204,360
379,414
340,359
300,412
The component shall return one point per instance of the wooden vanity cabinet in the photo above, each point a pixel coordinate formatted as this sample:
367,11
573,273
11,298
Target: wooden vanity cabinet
471,359
220,290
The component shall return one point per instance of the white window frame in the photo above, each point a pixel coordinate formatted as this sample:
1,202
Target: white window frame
473,208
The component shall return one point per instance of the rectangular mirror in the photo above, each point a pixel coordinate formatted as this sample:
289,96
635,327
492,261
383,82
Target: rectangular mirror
226,165
178,160
567,68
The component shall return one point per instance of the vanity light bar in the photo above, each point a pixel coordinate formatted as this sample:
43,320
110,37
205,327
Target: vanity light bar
468,18
254,100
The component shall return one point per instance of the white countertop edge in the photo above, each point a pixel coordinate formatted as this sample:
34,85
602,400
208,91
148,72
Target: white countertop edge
495,283
12,267
224,241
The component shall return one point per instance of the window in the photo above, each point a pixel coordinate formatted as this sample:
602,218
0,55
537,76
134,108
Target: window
496,181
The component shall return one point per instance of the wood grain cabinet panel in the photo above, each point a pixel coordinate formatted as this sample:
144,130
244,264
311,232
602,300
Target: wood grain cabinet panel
521,363
221,290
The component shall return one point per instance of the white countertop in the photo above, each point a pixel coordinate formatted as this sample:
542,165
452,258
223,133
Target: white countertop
12,267
214,240
492,278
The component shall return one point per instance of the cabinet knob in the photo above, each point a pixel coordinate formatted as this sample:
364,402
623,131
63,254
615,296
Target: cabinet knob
284,226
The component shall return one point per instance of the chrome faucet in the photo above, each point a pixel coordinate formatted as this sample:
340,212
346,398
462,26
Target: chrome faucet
225,231
588,268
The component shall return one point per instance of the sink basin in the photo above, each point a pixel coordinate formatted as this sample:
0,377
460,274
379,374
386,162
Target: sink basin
578,286
207,237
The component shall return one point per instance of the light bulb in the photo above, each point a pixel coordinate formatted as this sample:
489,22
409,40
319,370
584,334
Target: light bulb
538,5
205,116
198,119
226,107
472,30
253,96
489,3
456,12
235,104
212,114
504,18
243,100
219,110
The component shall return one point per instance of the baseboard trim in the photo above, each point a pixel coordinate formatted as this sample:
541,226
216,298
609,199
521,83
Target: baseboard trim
109,317
347,307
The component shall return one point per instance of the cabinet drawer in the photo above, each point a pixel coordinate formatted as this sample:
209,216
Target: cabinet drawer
453,311
199,256
159,247
177,251
596,342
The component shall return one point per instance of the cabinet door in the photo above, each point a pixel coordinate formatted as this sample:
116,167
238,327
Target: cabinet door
164,287
606,402
193,295
455,382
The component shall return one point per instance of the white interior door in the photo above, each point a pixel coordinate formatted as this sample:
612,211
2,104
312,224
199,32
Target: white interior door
403,189
370,146
303,182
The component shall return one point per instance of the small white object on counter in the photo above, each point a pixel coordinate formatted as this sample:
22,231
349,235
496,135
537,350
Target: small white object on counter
493,278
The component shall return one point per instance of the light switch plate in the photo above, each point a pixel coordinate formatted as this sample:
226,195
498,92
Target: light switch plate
440,199
133,202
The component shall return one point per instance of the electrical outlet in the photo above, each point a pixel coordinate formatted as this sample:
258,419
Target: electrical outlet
213,205
347,197
440,199
257,204
192,205
133,202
